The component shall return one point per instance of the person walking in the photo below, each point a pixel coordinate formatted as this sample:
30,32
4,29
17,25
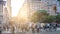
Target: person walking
33,27
13,30
38,27
0,29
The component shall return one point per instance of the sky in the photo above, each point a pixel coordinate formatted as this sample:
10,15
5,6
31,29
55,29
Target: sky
16,5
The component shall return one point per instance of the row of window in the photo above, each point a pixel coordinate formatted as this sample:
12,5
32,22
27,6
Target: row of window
43,0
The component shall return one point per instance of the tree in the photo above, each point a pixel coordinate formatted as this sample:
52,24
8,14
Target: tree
58,18
49,19
43,12
38,16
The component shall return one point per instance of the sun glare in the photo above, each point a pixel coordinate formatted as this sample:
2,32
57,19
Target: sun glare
23,14
16,5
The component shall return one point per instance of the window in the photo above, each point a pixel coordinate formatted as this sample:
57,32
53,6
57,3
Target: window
58,2
39,0
36,0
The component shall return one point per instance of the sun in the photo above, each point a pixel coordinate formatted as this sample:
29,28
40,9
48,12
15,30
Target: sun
16,5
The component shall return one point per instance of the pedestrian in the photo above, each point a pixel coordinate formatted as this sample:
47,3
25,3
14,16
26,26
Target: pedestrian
0,29
38,27
13,30
54,26
33,28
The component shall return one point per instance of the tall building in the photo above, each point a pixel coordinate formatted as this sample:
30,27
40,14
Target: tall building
51,6
5,14
7,11
58,6
47,5
9,8
1,10
23,12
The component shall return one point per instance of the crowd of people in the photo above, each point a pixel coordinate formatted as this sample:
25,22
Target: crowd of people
46,27
34,27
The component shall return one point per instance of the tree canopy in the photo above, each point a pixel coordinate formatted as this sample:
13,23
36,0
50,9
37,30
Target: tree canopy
43,17
38,16
49,19
58,18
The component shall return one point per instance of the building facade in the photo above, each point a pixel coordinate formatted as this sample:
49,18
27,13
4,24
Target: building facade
47,5
1,10
58,6
51,6
9,8
7,11
23,12
5,15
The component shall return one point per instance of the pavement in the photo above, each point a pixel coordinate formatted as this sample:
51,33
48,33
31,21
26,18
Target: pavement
46,32
30,32
35,33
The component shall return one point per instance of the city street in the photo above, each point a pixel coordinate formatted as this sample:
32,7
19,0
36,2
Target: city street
36,33
54,32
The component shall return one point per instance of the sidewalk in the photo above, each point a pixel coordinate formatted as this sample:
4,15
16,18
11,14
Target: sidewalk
58,29
6,32
30,32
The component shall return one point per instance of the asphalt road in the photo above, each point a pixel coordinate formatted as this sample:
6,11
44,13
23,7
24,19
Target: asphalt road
41,32
55,32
